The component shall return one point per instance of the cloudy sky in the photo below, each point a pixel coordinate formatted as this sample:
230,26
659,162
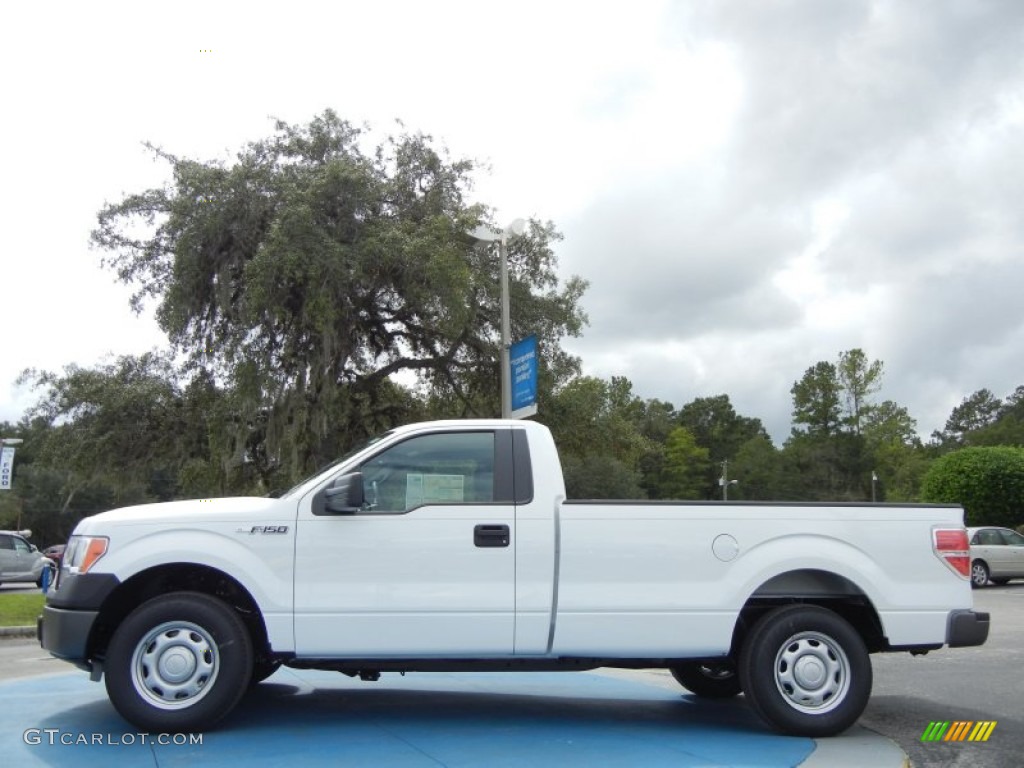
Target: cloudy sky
749,187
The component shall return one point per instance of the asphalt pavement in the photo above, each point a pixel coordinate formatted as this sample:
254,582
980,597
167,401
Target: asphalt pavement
985,683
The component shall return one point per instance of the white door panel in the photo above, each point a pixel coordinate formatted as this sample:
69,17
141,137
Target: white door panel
404,584
424,564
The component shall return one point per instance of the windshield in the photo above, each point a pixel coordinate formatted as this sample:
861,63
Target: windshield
360,447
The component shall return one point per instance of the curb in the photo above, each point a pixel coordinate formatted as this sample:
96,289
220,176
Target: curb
17,631
859,746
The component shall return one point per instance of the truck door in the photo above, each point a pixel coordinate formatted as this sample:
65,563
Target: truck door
426,566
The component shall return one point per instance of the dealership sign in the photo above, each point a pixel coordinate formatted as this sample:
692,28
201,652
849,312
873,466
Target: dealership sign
523,362
6,467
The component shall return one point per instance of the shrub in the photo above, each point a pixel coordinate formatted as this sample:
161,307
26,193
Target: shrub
987,481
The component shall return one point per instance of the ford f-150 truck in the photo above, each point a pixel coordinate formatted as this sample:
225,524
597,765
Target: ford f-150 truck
451,546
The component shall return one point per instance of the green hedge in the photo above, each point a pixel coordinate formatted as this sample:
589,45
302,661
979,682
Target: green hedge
988,482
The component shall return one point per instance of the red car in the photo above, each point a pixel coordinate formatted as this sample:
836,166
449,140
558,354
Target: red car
55,553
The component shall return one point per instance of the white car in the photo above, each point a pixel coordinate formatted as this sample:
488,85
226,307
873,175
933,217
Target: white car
21,561
997,555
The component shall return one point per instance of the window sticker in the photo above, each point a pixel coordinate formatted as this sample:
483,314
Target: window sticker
428,489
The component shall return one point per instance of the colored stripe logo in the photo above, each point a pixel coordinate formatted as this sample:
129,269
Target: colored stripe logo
959,730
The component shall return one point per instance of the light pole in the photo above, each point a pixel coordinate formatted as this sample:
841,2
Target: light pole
725,482
874,482
500,236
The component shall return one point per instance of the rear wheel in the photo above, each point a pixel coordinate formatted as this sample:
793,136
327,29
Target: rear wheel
979,574
806,671
709,680
178,663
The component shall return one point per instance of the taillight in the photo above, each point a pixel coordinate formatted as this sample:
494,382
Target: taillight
950,545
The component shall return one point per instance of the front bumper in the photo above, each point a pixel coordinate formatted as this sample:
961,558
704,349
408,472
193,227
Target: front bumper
965,628
70,614
65,633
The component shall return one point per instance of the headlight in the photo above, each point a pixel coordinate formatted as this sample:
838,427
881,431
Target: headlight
83,552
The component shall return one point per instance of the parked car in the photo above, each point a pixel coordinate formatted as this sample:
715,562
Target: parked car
55,553
21,561
997,555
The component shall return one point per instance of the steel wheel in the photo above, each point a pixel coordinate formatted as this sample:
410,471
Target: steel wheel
175,665
805,670
179,662
812,672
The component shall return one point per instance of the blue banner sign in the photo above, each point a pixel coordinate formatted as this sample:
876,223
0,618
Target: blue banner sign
523,362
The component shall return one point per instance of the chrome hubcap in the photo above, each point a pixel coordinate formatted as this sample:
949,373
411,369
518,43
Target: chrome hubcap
175,665
812,672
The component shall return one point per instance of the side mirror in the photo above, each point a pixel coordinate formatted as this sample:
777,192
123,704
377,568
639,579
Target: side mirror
345,496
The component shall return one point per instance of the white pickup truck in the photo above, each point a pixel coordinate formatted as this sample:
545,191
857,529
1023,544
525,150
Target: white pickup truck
451,546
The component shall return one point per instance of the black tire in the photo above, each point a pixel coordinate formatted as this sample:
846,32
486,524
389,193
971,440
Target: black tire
709,680
805,671
179,663
979,574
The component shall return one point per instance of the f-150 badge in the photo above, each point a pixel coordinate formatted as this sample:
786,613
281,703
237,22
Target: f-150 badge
264,529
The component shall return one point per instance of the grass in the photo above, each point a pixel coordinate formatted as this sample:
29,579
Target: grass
20,610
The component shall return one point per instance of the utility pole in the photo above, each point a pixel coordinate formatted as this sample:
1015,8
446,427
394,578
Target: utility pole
725,482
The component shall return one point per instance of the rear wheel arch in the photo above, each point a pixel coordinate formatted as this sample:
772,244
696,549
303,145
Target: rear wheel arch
818,588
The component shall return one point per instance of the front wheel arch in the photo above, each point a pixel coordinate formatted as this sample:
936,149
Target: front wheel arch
176,577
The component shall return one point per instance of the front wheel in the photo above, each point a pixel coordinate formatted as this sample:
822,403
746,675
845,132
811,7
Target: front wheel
179,662
709,680
806,671
979,574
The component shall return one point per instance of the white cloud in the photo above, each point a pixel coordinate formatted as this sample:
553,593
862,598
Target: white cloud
749,187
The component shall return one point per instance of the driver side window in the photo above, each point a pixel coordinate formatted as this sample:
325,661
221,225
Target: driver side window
441,468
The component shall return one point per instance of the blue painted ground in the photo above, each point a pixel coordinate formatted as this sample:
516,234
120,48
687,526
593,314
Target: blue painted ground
421,720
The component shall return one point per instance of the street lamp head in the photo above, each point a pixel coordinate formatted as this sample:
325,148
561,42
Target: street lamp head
485,234
11,441
516,227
